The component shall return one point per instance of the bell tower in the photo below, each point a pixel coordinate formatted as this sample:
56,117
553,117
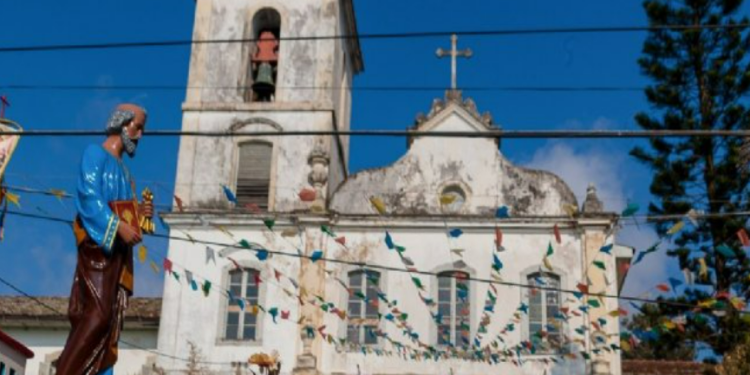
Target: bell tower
276,68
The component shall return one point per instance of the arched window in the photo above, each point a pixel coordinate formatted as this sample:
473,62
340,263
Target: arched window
254,174
454,307
242,324
545,323
363,307
264,58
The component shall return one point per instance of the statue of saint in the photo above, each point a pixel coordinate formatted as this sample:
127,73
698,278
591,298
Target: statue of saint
106,229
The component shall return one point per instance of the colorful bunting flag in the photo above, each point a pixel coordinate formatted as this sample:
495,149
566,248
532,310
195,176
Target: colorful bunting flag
316,255
230,195
558,237
378,204
502,212
630,210
642,254
455,233
142,253
676,228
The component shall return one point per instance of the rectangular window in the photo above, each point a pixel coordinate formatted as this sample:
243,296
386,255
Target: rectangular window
242,325
254,174
545,326
363,307
454,309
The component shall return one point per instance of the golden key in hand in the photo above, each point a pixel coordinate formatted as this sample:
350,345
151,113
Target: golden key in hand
146,223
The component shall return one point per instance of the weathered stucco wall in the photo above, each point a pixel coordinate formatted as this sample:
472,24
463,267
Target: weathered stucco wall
414,183
188,315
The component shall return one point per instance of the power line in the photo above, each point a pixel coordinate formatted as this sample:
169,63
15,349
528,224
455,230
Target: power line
564,89
364,265
376,36
499,133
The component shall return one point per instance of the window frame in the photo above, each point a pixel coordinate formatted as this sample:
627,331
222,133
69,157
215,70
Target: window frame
246,273
527,276
362,320
244,260
454,324
271,196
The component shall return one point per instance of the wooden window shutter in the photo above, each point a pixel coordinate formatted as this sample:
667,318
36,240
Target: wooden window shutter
254,174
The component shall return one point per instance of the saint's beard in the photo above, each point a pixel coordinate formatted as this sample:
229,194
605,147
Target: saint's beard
128,143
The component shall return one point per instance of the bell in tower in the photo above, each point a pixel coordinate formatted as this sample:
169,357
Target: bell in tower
264,63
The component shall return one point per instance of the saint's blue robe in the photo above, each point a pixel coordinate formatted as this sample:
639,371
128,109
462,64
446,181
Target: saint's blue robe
104,178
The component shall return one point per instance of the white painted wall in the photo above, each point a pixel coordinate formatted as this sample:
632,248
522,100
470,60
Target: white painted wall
48,343
12,359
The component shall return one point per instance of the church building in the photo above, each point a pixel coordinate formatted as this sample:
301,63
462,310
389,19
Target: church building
444,262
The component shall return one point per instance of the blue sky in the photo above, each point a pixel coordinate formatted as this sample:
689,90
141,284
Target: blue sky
40,257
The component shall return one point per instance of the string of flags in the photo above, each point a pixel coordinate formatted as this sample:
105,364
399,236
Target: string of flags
417,349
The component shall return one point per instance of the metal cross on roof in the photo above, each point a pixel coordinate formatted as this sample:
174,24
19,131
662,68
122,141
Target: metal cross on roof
454,53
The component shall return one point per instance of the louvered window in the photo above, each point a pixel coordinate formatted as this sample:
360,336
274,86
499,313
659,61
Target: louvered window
254,174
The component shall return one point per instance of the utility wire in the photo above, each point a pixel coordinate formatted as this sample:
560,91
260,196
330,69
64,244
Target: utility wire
499,133
364,265
34,87
376,36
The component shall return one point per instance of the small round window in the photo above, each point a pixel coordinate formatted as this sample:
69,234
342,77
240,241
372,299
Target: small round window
452,198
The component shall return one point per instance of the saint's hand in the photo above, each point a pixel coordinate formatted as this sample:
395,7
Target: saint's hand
128,234
146,209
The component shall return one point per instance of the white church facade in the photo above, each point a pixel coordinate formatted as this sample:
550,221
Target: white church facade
451,260
406,275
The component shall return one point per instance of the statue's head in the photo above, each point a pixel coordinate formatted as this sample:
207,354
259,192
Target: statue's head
129,121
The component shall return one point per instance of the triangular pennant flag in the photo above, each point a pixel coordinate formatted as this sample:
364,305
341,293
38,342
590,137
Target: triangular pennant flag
210,255
630,210
269,223
498,239
261,254
676,228
327,230
455,233
389,241
642,254
142,253
502,212
744,238
547,264
550,250
167,265
316,255
674,283
726,251
178,201
206,287
341,240
230,195
447,199
13,198
607,249
558,237
378,204
599,264
570,209
189,277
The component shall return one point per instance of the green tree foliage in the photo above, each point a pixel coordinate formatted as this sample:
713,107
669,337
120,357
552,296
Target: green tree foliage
700,81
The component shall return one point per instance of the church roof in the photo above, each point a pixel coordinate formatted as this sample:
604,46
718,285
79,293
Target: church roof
22,311
473,169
